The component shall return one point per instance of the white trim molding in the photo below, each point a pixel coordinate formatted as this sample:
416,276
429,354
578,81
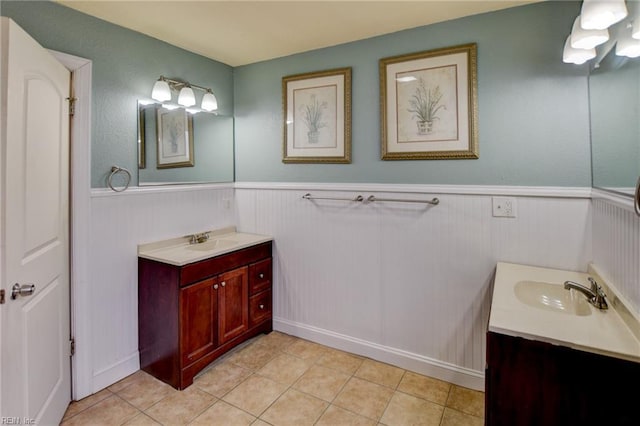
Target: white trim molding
523,191
153,189
620,200
82,365
460,376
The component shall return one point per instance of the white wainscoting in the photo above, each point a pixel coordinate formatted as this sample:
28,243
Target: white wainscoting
407,284
119,222
616,246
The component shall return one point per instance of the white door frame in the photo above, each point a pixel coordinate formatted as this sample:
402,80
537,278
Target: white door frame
80,217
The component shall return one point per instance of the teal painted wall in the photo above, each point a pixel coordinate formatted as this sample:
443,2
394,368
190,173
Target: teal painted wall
125,66
533,109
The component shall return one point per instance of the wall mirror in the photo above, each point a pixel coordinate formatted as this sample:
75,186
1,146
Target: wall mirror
614,102
178,147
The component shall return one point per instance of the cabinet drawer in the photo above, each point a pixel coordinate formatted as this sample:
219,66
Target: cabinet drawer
206,268
259,308
260,276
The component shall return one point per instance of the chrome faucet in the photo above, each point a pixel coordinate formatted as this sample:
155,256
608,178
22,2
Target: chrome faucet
595,295
199,238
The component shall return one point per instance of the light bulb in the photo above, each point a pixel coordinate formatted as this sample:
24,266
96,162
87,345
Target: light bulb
601,14
187,97
161,91
587,39
209,102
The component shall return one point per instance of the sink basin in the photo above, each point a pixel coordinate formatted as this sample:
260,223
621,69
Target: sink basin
552,297
218,243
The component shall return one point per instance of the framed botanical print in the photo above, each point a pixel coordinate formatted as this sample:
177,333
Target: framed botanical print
429,107
317,117
175,138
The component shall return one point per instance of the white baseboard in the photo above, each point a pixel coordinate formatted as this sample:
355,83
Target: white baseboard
115,372
413,362
517,191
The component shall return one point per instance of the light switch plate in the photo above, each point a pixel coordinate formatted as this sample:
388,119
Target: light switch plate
504,207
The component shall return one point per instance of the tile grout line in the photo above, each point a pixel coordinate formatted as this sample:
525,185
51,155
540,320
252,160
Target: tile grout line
277,351
85,409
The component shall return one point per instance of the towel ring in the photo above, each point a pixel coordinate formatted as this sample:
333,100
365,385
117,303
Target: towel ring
114,171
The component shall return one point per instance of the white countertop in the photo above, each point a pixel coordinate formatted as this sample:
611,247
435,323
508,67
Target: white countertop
601,331
179,252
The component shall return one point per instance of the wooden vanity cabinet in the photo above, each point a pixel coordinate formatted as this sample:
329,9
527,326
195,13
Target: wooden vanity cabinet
534,383
190,315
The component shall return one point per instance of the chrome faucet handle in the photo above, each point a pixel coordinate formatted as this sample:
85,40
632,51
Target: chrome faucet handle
599,298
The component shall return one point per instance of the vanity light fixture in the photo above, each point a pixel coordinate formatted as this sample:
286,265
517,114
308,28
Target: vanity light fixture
601,14
186,97
164,86
627,45
571,55
161,91
591,29
587,39
406,79
209,101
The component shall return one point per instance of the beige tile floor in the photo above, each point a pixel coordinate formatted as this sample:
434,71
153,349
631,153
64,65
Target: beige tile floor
278,379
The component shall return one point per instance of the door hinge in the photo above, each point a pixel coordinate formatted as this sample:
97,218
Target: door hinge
72,346
72,105
2,297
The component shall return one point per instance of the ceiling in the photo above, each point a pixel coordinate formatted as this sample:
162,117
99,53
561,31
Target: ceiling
239,32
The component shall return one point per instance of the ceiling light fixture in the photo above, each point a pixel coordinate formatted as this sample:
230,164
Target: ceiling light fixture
186,97
601,14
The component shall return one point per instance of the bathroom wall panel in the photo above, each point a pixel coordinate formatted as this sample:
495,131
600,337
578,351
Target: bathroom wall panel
616,248
405,283
119,223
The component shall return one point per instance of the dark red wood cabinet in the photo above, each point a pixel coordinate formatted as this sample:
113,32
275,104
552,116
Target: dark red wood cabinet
190,315
535,383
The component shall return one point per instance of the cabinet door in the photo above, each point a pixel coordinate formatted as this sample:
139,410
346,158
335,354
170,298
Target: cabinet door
198,314
233,302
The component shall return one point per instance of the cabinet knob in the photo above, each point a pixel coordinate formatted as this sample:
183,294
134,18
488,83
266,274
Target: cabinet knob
261,275
223,283
261,306
215,286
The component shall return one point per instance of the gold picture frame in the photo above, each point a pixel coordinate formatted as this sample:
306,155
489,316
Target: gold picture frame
429,105
142,148
317,117
175,138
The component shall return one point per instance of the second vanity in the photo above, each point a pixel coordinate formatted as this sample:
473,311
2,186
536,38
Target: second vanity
199,298
555,359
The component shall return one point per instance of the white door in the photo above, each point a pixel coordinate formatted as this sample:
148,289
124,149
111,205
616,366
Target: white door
34,172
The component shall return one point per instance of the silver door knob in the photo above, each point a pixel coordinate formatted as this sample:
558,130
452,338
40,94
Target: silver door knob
261,306
261,276
22,290
215,286
223,284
